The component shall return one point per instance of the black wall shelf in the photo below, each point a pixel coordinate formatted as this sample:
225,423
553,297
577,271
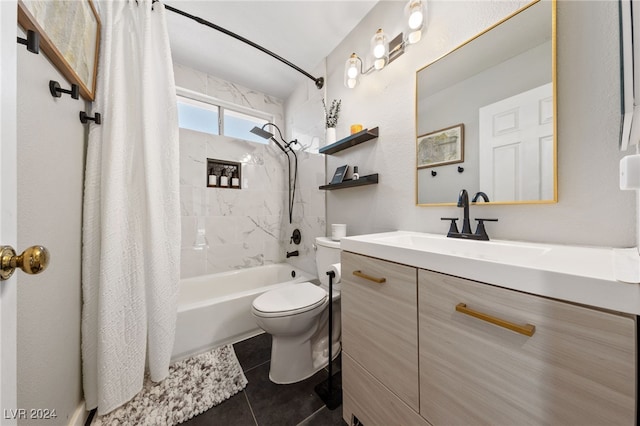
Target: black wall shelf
364,180
349,141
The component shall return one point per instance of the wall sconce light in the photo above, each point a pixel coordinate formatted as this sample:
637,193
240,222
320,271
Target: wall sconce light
383,51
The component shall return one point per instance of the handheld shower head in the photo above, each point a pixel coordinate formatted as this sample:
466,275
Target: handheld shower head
266,135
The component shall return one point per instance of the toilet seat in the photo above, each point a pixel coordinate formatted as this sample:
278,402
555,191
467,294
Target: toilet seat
290,300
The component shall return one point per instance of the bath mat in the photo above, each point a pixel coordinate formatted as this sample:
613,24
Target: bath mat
193,386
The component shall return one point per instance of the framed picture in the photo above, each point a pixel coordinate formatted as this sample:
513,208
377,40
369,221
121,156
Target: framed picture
445,146
69,36
338,176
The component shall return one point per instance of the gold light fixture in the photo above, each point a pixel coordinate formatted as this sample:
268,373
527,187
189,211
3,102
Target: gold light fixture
384,52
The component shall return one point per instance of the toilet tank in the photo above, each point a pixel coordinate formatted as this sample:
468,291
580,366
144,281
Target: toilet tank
327,253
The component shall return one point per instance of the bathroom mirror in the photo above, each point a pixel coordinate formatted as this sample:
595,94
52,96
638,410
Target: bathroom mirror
485,115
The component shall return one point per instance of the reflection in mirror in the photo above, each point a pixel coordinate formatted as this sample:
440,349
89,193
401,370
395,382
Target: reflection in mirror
499,88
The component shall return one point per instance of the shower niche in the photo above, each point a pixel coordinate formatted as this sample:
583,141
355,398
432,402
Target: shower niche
224,174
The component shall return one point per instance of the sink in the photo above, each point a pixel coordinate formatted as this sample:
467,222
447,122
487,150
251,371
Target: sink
584,275
498,251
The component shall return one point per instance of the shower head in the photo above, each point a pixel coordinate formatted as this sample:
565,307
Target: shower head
261,132
267,135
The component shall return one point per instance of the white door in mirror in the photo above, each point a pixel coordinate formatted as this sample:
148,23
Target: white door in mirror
516,147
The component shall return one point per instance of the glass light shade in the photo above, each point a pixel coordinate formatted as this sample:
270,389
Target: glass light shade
415,14
379,46
414,36
352,68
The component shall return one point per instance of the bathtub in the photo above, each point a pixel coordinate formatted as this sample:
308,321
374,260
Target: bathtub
215,309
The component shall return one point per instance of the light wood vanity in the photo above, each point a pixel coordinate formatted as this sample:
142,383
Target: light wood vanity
425,348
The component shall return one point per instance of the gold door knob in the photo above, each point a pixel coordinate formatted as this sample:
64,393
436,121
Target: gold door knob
32,261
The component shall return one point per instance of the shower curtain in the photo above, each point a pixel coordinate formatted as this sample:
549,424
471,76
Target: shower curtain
131,225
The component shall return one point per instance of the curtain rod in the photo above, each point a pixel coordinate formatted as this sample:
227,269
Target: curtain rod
319,81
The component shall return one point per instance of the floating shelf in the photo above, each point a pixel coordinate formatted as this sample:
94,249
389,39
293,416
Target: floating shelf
349,141
364,180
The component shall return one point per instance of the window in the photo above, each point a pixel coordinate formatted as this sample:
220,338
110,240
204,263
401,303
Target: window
198,116
211,117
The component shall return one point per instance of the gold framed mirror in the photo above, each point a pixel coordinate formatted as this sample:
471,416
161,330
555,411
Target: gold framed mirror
501,86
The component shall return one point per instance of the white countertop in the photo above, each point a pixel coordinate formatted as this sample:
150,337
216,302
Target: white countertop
585,275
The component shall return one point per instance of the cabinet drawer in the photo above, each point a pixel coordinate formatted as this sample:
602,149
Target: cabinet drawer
380,322
366,398
578,367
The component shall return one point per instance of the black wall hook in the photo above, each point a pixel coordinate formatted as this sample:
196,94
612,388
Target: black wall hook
32,41
460,169
57,91
84,118
434,173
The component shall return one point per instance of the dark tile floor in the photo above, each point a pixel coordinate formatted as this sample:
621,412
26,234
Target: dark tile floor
263,403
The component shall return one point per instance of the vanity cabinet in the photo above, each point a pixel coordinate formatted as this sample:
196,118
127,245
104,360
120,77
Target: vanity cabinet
424,348
578,366
379,332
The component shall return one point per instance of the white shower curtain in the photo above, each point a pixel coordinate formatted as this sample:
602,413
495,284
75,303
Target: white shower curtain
131,229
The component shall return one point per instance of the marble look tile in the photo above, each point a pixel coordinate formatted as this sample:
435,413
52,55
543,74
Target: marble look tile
189,78
221,229
192,263
193,158
188,231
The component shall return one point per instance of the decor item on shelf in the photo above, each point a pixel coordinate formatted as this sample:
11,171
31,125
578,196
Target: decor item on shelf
355,175
382,51
355,128
331,117
224,179
338,176
235,181
445,146
213,179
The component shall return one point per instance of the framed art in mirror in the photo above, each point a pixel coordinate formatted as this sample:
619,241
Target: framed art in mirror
445,146
69,36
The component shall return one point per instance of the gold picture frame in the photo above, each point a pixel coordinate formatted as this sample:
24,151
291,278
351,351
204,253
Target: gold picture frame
69,36
444,146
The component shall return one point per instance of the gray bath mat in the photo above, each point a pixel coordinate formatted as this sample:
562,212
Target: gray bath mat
193,386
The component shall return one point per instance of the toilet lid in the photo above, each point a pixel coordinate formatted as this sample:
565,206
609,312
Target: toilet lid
289,298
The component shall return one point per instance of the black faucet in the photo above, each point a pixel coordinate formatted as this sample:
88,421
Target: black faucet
463,201
480,195
292,253
481,233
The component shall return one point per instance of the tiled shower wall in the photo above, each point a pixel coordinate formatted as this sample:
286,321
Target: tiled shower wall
226,229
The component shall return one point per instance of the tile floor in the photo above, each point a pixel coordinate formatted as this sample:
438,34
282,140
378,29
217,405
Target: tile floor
263,403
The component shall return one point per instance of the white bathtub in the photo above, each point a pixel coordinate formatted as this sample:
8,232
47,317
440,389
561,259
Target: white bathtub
215,309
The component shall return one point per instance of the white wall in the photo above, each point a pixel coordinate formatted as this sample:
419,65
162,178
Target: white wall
249,226
51,147
591,209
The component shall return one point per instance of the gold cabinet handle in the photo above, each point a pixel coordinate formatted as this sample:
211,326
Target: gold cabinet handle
526,329
32,261
369,277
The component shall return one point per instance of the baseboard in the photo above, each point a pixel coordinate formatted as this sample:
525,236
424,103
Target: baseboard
80,415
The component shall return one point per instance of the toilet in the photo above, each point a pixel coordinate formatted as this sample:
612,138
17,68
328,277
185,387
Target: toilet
297,317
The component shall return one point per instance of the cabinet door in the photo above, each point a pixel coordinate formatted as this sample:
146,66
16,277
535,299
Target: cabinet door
577,368
380,322
372,403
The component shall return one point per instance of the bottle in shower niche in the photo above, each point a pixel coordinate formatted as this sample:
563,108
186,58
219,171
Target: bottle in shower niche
224,179
235,181
213,179
355,175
